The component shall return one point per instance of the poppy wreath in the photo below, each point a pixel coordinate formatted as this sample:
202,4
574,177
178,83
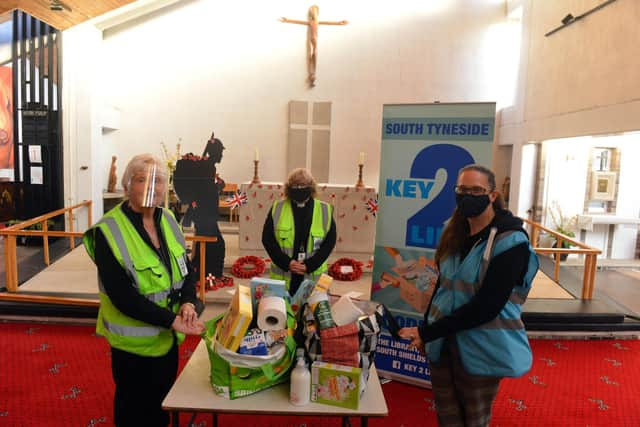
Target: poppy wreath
335,270
247,267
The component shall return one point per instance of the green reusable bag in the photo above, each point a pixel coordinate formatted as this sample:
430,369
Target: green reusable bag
235,375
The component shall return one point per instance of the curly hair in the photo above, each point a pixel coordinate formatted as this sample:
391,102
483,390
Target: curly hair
300,177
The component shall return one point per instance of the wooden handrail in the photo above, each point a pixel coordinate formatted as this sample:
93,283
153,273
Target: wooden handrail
11,266
49,300
10,234
590,255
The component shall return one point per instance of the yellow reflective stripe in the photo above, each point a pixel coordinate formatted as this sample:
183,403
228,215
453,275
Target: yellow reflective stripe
516,298
131,331
154,297
277,212
116,234
324,208
177,233
500,323
276,270
458,285
435,312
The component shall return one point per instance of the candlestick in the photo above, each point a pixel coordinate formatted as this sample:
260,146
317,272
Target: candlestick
360,183
361,158
256,179
256,155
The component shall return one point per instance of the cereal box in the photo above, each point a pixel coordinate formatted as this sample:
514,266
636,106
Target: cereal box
236,322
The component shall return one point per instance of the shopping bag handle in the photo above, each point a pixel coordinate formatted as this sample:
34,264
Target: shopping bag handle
386,318
267,368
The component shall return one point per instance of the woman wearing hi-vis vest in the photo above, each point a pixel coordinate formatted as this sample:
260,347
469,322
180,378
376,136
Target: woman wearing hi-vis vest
147,293
299,232
472,328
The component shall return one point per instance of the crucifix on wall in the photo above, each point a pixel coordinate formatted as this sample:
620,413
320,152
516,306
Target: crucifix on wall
312,38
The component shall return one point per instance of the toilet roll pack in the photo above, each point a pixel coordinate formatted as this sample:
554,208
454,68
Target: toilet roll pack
235,374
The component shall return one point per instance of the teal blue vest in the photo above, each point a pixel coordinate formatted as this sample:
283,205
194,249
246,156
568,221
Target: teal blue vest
500,347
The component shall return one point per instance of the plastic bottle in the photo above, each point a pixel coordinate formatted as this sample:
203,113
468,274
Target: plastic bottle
321,309
300,387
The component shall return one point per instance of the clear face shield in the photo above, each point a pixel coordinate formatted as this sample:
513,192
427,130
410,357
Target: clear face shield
149,187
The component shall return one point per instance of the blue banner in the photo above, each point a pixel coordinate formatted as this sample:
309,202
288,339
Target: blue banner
423,148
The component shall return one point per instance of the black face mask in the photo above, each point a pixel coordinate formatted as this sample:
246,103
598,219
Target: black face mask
300,195
471,206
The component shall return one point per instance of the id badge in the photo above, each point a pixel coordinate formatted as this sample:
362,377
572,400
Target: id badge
302,256
182,263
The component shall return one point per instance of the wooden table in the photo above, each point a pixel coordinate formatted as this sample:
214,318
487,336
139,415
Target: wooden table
192,392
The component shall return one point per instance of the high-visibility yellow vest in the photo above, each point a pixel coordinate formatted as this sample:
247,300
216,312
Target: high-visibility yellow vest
148,275
284,228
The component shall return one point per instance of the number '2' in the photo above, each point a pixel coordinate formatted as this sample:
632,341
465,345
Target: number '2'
425,226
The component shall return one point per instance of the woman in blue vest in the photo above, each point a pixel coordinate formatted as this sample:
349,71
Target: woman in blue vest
147,293
472,328
299,232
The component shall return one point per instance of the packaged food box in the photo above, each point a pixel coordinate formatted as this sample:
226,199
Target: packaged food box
335,385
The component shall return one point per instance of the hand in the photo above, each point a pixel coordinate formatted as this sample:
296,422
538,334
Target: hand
413,335
297,267
180,325
188,313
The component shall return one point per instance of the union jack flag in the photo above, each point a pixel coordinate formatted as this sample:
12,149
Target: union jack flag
372,206
237,200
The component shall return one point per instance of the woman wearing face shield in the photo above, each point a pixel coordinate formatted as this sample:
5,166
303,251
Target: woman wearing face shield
147,293
472,328
299,232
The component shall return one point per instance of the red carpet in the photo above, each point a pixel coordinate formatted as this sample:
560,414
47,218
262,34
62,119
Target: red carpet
53,375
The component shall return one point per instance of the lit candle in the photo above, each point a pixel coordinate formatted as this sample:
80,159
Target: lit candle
361,160
256,155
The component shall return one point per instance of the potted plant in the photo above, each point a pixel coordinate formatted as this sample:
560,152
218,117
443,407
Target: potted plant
564,225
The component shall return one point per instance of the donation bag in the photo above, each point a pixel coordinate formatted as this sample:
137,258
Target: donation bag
235,375
353,344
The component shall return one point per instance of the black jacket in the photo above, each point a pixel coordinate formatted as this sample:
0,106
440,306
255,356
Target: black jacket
302,217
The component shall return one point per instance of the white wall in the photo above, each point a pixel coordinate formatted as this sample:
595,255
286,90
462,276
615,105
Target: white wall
232,67
565,177
628,200
81,104
581,80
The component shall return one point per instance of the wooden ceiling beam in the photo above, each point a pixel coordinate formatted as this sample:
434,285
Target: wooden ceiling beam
81,10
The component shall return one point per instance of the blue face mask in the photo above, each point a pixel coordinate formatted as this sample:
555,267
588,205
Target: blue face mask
471,206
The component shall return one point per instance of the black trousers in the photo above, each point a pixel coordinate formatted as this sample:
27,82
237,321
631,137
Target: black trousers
141,385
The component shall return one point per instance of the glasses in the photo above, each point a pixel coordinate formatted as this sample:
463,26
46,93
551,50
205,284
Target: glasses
299,187
474,191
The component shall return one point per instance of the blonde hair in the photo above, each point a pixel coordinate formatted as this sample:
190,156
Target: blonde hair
300,177
139,164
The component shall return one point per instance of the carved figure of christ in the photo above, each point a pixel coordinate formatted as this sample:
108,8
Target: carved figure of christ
312,38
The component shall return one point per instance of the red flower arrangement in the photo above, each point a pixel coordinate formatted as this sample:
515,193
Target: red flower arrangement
335,270
247,267
192,157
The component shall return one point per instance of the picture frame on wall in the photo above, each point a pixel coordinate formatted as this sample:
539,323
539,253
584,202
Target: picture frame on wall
603,185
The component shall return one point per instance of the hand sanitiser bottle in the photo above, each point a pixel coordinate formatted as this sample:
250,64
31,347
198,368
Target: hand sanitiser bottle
300,383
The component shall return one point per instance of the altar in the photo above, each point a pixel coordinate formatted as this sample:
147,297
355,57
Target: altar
615,235
354,213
